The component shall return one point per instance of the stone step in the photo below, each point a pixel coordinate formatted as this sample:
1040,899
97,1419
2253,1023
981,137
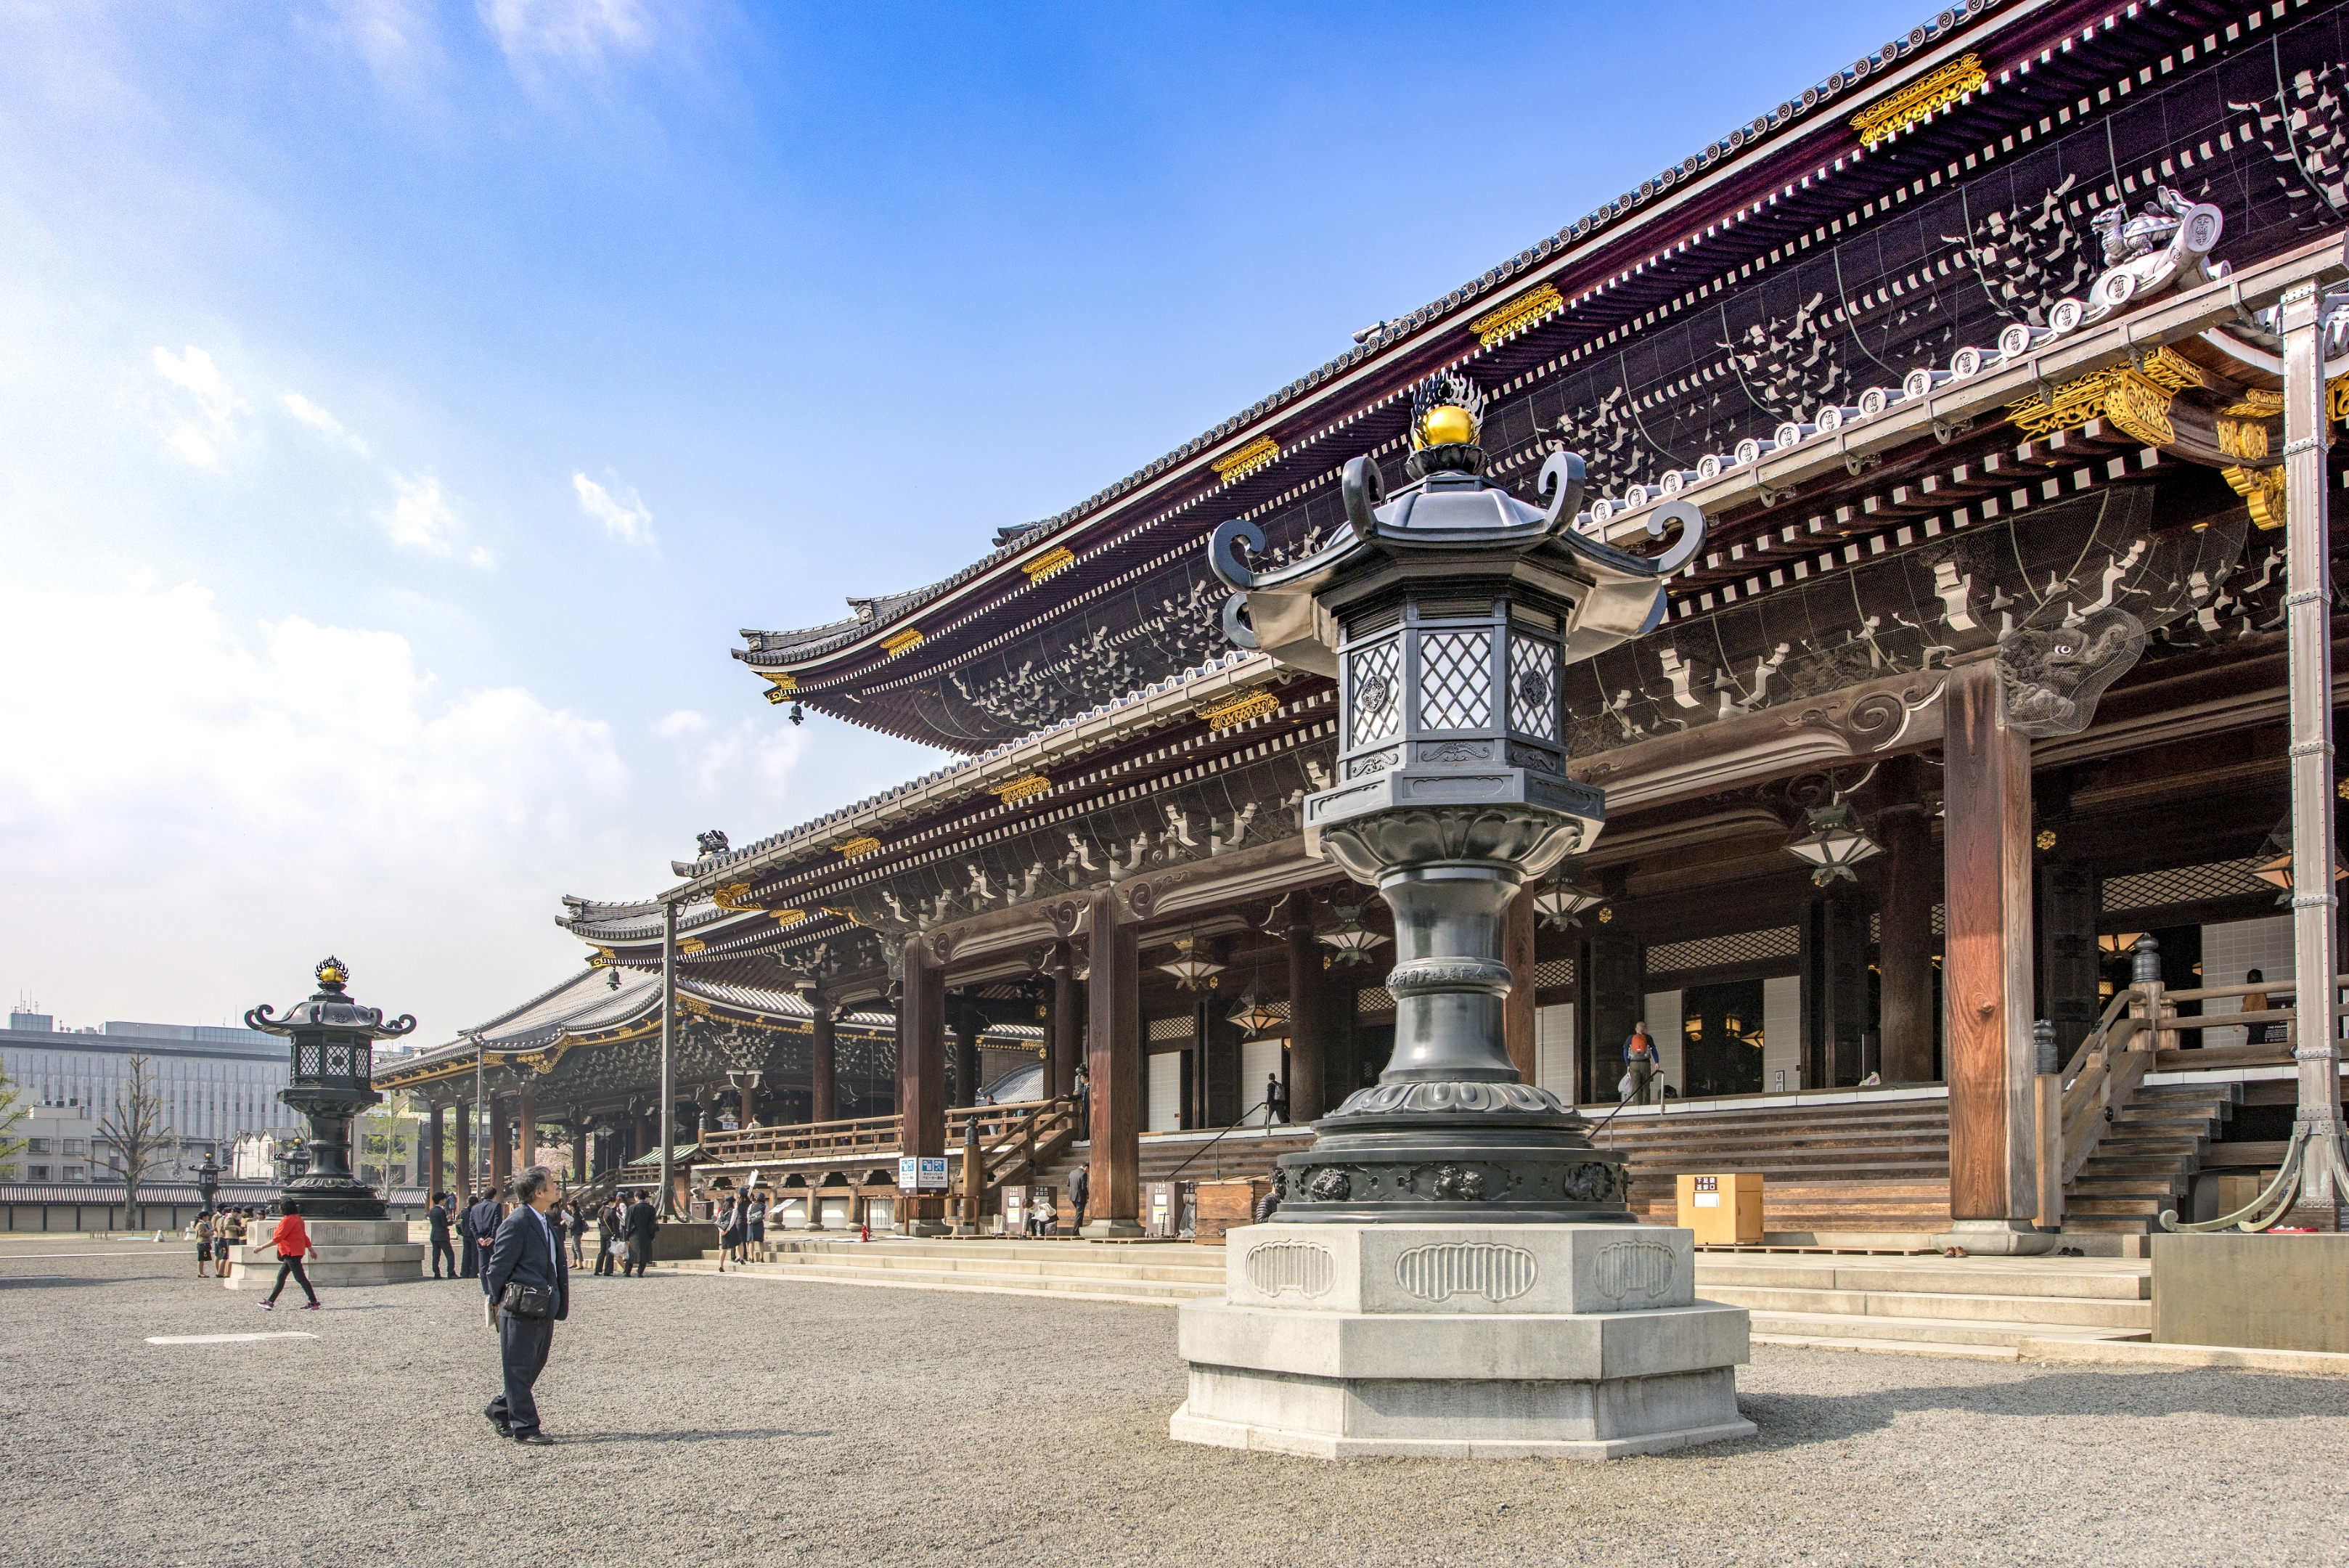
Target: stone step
2110,1224
1924,1330
2038,1277
2113,1208
1143,1291
1211,1274
1912,1307
1892,1346
2094,1183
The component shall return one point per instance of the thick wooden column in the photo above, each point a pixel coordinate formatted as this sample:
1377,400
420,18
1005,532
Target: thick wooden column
528,1110
1834,955
823,1092
578,1147
500,1145
1617,1001
966,1056
436,1171
1517,1007
1986,964
922,1071
1115,1065
1905,945
465,1174
2070,894
1307,1050
1065,1026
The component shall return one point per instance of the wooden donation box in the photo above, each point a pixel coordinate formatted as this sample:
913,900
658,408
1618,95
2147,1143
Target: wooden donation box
1724,1211
1162,1207
1225,1204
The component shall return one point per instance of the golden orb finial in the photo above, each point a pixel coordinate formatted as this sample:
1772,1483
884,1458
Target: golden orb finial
1447,424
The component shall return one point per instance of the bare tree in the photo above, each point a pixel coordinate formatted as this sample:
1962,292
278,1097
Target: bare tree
12,1114
137,1133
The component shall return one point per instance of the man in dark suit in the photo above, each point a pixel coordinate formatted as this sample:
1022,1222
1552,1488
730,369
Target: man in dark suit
468,1251
642,1221
438,1216
527,1267
484,1219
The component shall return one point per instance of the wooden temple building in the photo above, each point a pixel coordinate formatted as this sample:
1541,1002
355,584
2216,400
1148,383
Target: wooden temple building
1968,353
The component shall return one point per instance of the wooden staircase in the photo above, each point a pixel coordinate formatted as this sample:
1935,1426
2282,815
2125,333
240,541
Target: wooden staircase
2151,1151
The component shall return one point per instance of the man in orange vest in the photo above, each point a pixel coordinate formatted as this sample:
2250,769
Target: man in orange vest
1640,1064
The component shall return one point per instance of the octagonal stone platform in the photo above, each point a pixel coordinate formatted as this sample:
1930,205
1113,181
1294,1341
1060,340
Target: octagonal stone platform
344,1252
1461,1342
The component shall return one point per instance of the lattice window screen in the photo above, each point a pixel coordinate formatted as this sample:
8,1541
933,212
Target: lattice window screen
1176,1028
2185,884
1712,952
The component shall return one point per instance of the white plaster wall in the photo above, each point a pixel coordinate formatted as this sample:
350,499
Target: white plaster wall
1259,1059
2229,950
1782,1034
1554,1050
1165,1092
1664,1021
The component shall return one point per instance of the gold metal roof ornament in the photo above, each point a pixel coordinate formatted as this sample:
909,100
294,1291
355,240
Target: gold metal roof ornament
1012,792
1238,465
1936,91
1238,709
1529,308
1059,558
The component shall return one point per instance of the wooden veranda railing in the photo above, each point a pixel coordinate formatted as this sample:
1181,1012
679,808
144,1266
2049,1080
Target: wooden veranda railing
2137,1033
852,1139
1013,1140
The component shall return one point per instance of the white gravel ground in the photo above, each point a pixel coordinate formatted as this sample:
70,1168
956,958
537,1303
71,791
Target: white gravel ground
703,1420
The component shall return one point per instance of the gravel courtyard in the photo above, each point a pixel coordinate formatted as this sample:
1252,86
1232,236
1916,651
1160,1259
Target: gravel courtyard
708,1420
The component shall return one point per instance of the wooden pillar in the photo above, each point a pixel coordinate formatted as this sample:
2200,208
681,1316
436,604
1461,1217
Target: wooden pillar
823,1091
966,1056
465,1177
922,1071
1307,1048
436,1171
1115,1065
578,1147
1986,964
1066,1024
1832,944
500,1145
2070,896
528,1109
1905,945
1617,1001
1517,1007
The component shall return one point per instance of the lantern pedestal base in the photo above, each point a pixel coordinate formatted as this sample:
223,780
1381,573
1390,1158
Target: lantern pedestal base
346,1252
1518,1341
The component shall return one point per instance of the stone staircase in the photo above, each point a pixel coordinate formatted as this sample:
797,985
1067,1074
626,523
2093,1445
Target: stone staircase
1979,1308
2148,1156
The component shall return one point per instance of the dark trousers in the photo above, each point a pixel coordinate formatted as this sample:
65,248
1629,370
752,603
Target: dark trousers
468,1263
523,1344
603,1263
640,1252
292,1266
441,1249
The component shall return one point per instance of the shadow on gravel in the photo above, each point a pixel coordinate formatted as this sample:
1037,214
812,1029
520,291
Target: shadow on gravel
687,1436
52,1282
1795,1420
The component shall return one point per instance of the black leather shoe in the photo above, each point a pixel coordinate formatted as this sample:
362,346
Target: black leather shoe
505,1428
536,1440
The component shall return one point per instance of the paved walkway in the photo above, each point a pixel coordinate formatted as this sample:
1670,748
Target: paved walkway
711,1421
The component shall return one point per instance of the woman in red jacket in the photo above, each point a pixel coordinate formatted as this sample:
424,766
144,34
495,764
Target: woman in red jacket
292,1240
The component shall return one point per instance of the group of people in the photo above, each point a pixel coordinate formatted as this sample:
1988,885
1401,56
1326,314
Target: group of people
625,1236
462,1239
742,1226
215,1234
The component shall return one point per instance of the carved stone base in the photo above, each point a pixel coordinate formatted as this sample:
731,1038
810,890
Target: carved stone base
344,1252
1461,1342
1471,1153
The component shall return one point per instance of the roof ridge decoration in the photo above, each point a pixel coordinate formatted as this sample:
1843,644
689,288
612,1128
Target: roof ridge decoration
1605,215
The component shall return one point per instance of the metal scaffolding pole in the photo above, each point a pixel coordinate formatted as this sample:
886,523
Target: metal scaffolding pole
667,1058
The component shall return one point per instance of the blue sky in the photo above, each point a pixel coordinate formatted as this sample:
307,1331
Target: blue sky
402,405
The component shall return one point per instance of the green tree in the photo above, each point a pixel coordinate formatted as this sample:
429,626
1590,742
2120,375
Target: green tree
136,1132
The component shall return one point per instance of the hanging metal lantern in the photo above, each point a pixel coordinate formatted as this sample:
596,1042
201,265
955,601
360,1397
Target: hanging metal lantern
2275,863
1834,845
1256,1015
1559,902
1190,966
1352,939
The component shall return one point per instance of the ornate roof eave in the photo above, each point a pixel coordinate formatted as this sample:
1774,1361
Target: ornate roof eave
1401,349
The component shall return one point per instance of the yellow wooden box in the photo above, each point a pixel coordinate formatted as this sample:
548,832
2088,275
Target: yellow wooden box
1723,1209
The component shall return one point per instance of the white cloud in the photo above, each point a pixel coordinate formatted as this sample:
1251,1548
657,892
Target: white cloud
319,420
629,520
684,721
582,31
196,438
421,516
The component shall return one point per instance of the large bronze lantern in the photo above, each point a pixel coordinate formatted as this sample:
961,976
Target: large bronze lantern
1448,615
333,1081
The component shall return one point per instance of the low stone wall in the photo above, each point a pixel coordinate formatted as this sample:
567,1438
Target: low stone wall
2258,1292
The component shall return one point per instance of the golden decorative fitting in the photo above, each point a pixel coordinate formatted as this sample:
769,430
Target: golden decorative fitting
734,896
2336,397
2245,440
605,958
788,917
1056,559
695,1005
2341,789
2262,490
2046,840
1017,790
905,641
785,683
2171,370
832,910
1238,465
2136,403
1239,710
690,944
2258,403
1534,305
856,846
1936,91
1606,915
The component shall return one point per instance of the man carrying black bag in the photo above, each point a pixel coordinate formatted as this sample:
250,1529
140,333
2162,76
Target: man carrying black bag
529,1280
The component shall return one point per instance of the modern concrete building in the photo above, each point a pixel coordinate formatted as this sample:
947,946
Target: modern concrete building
216,1086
